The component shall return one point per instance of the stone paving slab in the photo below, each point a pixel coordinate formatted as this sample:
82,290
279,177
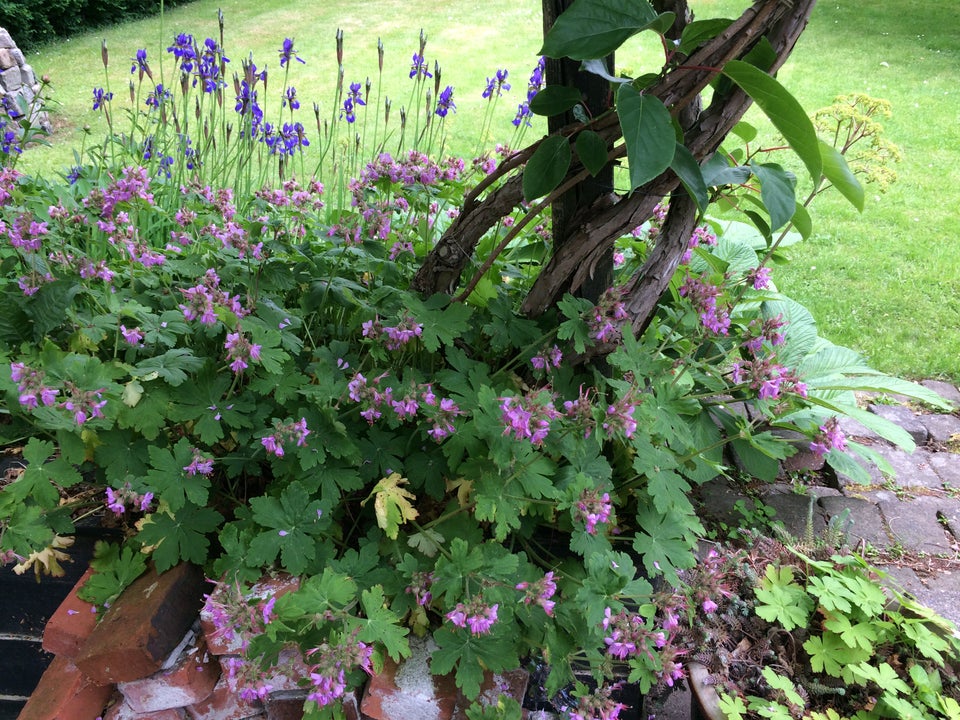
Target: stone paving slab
796,511
904,417
948,392
947,467
915,524
941,428
864,521
911,469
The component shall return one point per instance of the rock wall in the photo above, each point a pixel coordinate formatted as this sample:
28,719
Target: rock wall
17,79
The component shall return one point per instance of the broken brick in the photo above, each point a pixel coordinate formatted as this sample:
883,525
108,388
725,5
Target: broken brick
144,625
71,624
190,679
64,693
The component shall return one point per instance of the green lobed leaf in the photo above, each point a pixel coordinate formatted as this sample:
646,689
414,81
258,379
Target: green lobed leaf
648,133
180,537
172,366
783,110
547,167
591,29
382,625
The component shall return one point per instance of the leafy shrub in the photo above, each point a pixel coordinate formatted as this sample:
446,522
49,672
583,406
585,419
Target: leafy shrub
34,22
224,351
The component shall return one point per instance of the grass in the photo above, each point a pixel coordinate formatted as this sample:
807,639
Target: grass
885,282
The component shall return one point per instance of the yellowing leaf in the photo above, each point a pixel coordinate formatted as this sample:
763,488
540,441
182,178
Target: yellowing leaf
132,392
463,487
47,561
392,504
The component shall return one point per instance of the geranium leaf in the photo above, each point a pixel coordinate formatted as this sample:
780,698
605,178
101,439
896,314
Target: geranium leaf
392,504
382,625
180,537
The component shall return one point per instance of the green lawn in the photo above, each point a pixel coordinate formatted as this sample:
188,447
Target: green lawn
886,282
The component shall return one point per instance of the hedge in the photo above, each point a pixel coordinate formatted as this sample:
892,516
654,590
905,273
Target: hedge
34,22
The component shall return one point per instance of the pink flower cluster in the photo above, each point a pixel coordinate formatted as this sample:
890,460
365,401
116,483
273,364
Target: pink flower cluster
240,351
200,465
764,331
547,359
767,378
475,614
700,236
628,635
419,587
134,183
703,296
528,417
830,437
439,412
31,387
295,432
83,404
619,418
540,592
593,509
333,662
395,337
599,705
203,298
25,233
119,500
608,317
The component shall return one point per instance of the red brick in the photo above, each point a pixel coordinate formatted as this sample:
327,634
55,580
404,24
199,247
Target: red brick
288,705
225,641
190,680
512,683
409,690
143,627
224,703
121,710
70,626
64,693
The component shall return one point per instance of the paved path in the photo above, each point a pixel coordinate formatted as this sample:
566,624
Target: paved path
908,524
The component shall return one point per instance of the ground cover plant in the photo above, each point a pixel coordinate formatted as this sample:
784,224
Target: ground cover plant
381,379
801,630
867,282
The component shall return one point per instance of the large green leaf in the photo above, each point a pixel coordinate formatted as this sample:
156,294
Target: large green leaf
591,29
699,32
648,133
800,333
784,112
776,191
685,166
554,99
546,168
836,170
592,150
